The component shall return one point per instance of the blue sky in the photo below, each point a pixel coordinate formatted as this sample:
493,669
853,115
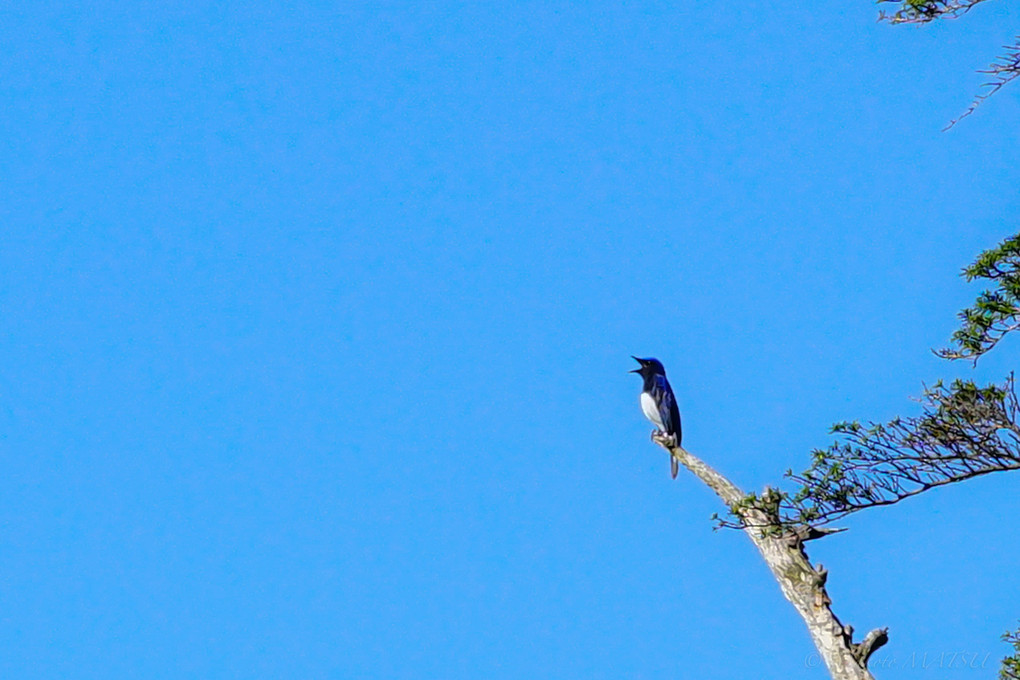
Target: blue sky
317,324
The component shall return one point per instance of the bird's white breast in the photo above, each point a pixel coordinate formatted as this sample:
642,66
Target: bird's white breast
650,410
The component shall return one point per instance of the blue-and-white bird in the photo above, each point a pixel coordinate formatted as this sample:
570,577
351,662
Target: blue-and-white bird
658,403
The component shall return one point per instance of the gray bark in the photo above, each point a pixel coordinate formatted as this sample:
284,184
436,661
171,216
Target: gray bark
801,583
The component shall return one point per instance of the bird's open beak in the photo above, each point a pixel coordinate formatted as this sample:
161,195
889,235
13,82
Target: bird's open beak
637,370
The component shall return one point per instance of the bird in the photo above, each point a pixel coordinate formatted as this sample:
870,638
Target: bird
659,404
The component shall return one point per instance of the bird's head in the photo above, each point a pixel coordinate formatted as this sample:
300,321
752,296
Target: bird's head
649,367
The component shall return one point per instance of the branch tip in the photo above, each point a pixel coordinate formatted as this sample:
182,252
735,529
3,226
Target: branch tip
870,644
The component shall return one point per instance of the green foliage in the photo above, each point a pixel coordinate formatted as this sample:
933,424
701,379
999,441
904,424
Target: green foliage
769,504
996,312
965,430
1011,664
923,11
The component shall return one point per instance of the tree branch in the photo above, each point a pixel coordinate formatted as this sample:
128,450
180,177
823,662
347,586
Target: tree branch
1011,664
965,431
996,312
802,584
923,11
870,644
1004,69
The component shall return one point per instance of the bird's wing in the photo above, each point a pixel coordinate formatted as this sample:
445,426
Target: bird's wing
668,410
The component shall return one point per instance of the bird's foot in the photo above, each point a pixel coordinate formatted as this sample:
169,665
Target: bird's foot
664,439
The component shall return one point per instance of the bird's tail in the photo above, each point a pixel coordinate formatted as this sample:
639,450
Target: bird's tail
674,466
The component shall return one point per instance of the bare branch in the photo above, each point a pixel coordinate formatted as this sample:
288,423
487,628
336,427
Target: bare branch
870,644
801,583
1004,69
